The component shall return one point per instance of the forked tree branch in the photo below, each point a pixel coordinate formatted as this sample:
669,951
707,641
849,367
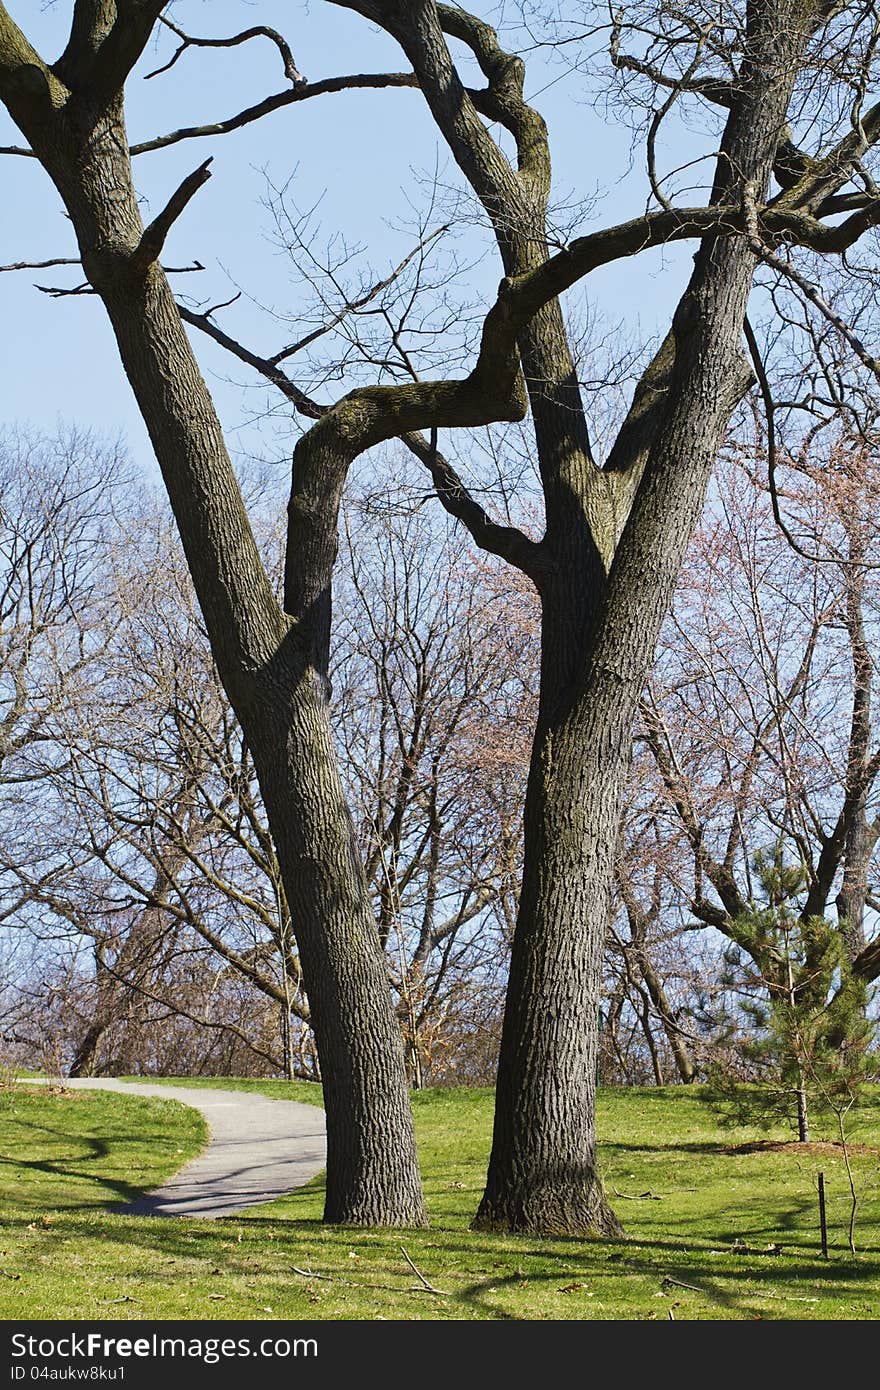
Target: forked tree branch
105,43
264,365
505,541
257,31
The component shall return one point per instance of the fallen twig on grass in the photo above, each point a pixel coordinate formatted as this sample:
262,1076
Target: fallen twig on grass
784,1297
443,1293
668,1279
424,1287
640,1196
787,1297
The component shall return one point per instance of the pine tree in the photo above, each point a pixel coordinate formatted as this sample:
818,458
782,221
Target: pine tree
807,1041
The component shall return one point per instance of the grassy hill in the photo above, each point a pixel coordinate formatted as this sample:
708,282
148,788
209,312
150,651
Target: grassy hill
721,1222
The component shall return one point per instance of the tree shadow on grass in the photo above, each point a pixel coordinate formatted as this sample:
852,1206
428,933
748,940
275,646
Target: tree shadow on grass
80,1167
488,1279
517,1278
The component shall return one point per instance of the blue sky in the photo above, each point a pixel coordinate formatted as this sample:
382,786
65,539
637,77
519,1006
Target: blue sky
354,153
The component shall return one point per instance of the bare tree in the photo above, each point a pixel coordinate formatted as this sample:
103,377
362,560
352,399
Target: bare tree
434,696
615,535
759,722
178,879
61,502
148,775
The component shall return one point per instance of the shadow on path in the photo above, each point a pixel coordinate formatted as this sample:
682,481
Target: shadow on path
259,1149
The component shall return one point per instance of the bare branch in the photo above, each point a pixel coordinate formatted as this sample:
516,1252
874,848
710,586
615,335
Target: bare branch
41,265
75,260
58,292
503,99
714,90
288,97
177,1007
265,366
770,420
415,1269
508,542
257,31
816,180
153,239
769,257
354,305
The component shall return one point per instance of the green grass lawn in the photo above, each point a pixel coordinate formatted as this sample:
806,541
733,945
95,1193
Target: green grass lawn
730,1230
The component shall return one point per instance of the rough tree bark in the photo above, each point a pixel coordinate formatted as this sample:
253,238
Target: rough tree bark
860,835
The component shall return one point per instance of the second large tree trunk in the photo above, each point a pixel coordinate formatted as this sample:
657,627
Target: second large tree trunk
542,1174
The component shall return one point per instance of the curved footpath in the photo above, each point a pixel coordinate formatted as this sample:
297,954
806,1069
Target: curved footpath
258,1149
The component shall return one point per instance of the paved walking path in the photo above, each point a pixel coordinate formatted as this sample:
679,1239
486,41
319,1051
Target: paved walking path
259,1149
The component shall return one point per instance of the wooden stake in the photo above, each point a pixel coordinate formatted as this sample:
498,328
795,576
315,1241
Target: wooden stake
822,1226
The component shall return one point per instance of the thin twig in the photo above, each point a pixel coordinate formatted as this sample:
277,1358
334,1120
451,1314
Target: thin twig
299,92
424,1287
57,292
354,305
668,1279
787,1297
75,260
444,1293
772,458
41,265
764,253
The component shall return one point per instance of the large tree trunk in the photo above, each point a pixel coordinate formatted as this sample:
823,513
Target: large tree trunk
372,1178
267,666
598,641
266,660
542,1174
